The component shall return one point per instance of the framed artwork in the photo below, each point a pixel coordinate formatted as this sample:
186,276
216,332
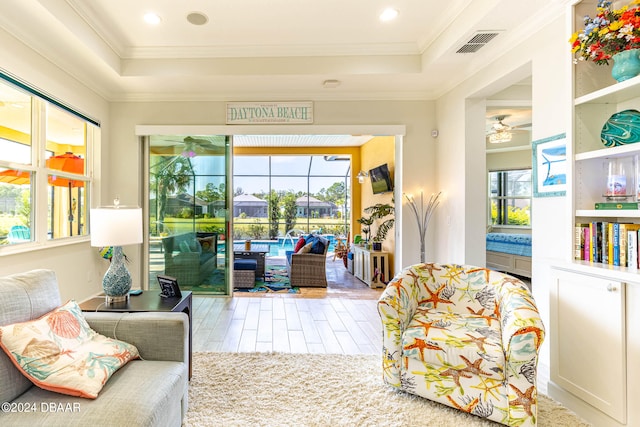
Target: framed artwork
550,166
169,287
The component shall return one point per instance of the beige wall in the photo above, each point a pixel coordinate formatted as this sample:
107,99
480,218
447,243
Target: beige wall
509,160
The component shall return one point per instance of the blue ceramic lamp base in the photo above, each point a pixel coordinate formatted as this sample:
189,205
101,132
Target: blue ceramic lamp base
117,280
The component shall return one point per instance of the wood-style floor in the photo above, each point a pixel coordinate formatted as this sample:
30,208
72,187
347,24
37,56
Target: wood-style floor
341,318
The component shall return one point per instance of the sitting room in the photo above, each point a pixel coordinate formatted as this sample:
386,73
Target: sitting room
163,175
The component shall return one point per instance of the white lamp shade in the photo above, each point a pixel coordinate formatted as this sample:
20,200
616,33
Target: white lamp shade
111,226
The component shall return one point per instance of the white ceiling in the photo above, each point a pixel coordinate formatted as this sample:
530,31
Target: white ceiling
270,50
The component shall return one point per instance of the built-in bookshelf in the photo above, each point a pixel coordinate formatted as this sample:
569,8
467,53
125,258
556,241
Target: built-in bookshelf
588,181
594,296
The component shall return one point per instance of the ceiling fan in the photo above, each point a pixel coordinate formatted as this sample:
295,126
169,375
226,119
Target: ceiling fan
501,132
188,146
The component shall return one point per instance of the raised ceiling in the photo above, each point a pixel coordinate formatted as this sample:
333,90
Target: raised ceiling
271,50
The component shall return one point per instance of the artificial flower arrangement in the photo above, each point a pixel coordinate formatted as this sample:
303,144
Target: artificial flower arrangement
106,252
611,31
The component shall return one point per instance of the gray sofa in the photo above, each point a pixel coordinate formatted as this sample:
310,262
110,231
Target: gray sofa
151,391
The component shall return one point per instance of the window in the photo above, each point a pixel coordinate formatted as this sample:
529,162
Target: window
510,197
278,194
40,137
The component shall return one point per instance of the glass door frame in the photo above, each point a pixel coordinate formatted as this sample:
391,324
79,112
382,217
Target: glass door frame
142,131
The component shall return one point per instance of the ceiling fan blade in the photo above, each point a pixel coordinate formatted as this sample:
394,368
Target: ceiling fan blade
523,126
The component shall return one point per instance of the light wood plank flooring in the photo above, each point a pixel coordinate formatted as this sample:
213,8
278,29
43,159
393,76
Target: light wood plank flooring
342,318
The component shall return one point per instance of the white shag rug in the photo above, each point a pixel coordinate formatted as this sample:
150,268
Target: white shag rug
278,389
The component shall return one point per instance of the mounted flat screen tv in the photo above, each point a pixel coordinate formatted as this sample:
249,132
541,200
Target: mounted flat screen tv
380,179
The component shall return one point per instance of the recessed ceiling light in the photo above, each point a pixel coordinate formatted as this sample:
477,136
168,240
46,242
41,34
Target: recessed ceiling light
152,18
389,14
330,84
197,18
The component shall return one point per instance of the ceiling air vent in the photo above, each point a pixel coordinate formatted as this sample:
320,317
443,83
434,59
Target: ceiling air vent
476,41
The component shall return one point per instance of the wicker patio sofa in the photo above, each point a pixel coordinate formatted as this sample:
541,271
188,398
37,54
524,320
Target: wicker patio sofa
308,269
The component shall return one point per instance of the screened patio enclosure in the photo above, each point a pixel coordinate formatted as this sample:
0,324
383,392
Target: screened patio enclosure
275,196
197,208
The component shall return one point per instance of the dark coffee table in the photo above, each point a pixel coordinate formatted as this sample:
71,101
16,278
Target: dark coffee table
149,300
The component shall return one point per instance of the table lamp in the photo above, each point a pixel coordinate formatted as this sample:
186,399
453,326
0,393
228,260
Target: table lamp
116,226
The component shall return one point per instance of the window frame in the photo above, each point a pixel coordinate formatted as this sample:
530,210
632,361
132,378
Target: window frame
40,187
502,197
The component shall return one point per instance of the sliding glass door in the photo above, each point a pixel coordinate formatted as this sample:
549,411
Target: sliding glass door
188,215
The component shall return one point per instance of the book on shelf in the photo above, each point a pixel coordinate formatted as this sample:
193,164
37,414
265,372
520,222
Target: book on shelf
604,242
581,240
623,244
587,244
632,249
594,243
617,205
610,243
614,244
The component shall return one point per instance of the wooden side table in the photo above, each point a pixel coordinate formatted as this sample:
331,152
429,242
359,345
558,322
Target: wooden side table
149,300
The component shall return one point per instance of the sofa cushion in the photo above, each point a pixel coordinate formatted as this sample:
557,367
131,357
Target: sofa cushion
142,393
467,343
245,264
306,249
318,243
60,352
23,297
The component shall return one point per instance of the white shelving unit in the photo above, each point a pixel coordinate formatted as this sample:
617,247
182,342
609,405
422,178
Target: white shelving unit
590,111
595,307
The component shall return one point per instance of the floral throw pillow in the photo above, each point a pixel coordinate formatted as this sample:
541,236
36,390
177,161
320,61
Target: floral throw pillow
59,352
206,243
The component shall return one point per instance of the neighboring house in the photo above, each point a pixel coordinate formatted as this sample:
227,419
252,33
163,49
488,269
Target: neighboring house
175,205
249,205
308,206
8,204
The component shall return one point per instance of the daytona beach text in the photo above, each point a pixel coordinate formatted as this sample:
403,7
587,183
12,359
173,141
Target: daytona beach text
269,113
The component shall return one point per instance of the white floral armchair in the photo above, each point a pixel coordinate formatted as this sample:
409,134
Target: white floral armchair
464,336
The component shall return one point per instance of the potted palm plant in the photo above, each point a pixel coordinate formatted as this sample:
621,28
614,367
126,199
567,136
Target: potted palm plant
383,216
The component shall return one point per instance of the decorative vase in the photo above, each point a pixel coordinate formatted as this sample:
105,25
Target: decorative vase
621,128
626,64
